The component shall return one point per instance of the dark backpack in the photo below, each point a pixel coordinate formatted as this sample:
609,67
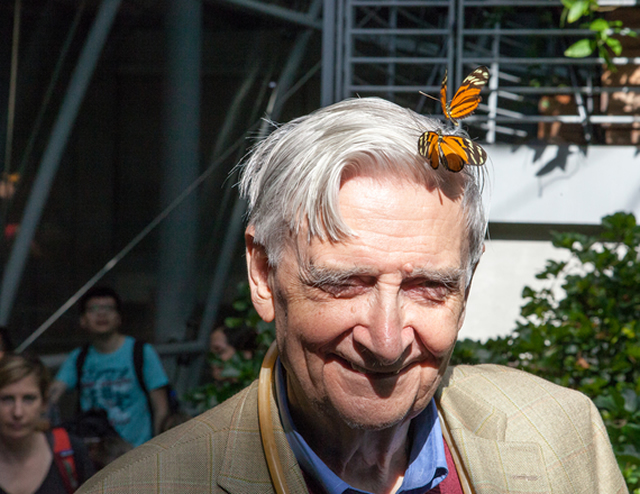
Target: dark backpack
138,365
91,425
103,442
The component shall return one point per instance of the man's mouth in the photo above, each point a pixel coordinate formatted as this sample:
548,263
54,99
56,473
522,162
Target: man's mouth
388,371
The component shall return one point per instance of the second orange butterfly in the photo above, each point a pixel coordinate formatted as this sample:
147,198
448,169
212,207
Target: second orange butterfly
467,97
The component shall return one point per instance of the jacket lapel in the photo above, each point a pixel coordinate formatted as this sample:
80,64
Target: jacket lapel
493,464
478,429
244,467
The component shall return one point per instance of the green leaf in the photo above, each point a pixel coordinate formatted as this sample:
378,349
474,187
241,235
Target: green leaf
599,25
615,45
580,49
577,10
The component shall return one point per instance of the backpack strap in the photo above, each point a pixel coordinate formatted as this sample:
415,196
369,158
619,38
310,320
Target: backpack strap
64,459
82,357
138,365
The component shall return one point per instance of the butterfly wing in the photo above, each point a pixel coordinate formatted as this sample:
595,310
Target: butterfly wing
476,155
458,151
467,97
428,147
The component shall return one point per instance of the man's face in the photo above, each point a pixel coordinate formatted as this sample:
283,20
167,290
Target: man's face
365,327
101,317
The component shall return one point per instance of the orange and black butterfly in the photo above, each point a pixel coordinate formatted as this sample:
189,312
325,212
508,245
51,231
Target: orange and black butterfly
467,97
452,152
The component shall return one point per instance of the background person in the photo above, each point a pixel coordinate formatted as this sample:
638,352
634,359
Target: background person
225,342
28,464
363,255
108,376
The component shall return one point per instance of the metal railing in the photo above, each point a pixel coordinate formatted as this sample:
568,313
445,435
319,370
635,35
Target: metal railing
396,48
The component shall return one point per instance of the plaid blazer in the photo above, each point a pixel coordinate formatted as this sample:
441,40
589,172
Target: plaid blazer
516,433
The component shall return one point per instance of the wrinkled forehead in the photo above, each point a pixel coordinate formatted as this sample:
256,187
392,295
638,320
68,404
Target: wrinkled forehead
416,205
409,169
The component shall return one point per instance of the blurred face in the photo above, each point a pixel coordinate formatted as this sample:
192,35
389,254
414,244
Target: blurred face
101,317
21,406
219,345
365,327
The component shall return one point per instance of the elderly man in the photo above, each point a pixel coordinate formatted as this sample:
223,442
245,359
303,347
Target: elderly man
364,255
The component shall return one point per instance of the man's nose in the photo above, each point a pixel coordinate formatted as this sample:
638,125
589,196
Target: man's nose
384,338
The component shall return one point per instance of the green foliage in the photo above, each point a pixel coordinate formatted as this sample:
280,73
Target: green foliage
240,370
582,331
602,42
575,9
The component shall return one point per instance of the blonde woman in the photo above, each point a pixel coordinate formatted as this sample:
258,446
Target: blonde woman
33,461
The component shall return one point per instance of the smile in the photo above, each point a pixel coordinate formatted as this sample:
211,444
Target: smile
389,372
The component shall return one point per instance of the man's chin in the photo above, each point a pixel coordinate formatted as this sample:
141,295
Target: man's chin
102,333
378,416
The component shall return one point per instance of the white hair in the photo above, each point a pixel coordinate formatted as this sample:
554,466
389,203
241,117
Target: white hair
292,178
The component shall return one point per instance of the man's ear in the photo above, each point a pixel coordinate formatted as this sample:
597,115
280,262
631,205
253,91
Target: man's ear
258,270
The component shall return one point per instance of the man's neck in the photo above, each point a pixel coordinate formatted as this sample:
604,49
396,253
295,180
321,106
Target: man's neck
374,461
108,343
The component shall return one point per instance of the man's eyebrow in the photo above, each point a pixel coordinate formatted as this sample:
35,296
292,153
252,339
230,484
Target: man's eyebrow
448,277
313,275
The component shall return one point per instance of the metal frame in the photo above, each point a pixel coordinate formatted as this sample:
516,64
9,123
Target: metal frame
387,50
504,67
51,159
381,26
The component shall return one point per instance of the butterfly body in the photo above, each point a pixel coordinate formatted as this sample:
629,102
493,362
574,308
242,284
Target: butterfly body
450,151
467,97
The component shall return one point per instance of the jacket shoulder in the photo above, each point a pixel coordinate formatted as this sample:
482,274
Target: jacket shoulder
506,377
514,393
187,458
552,433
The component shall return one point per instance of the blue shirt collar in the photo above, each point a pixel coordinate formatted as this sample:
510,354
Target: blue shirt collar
427,460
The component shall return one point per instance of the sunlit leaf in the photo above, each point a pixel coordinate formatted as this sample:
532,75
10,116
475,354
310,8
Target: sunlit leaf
599,25
580,49
577,10
615,45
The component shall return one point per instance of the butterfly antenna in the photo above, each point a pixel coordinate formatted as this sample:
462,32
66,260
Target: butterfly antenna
429,96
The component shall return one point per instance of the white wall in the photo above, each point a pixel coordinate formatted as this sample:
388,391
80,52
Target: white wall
562,185
542,185
496,294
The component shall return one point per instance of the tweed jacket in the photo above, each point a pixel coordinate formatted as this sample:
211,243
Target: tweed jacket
516,433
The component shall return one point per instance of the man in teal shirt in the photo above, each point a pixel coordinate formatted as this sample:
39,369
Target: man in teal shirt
108,378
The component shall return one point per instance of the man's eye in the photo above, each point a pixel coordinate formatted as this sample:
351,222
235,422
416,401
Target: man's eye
346,289
430,290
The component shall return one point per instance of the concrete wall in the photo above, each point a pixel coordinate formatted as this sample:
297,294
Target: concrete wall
507,266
